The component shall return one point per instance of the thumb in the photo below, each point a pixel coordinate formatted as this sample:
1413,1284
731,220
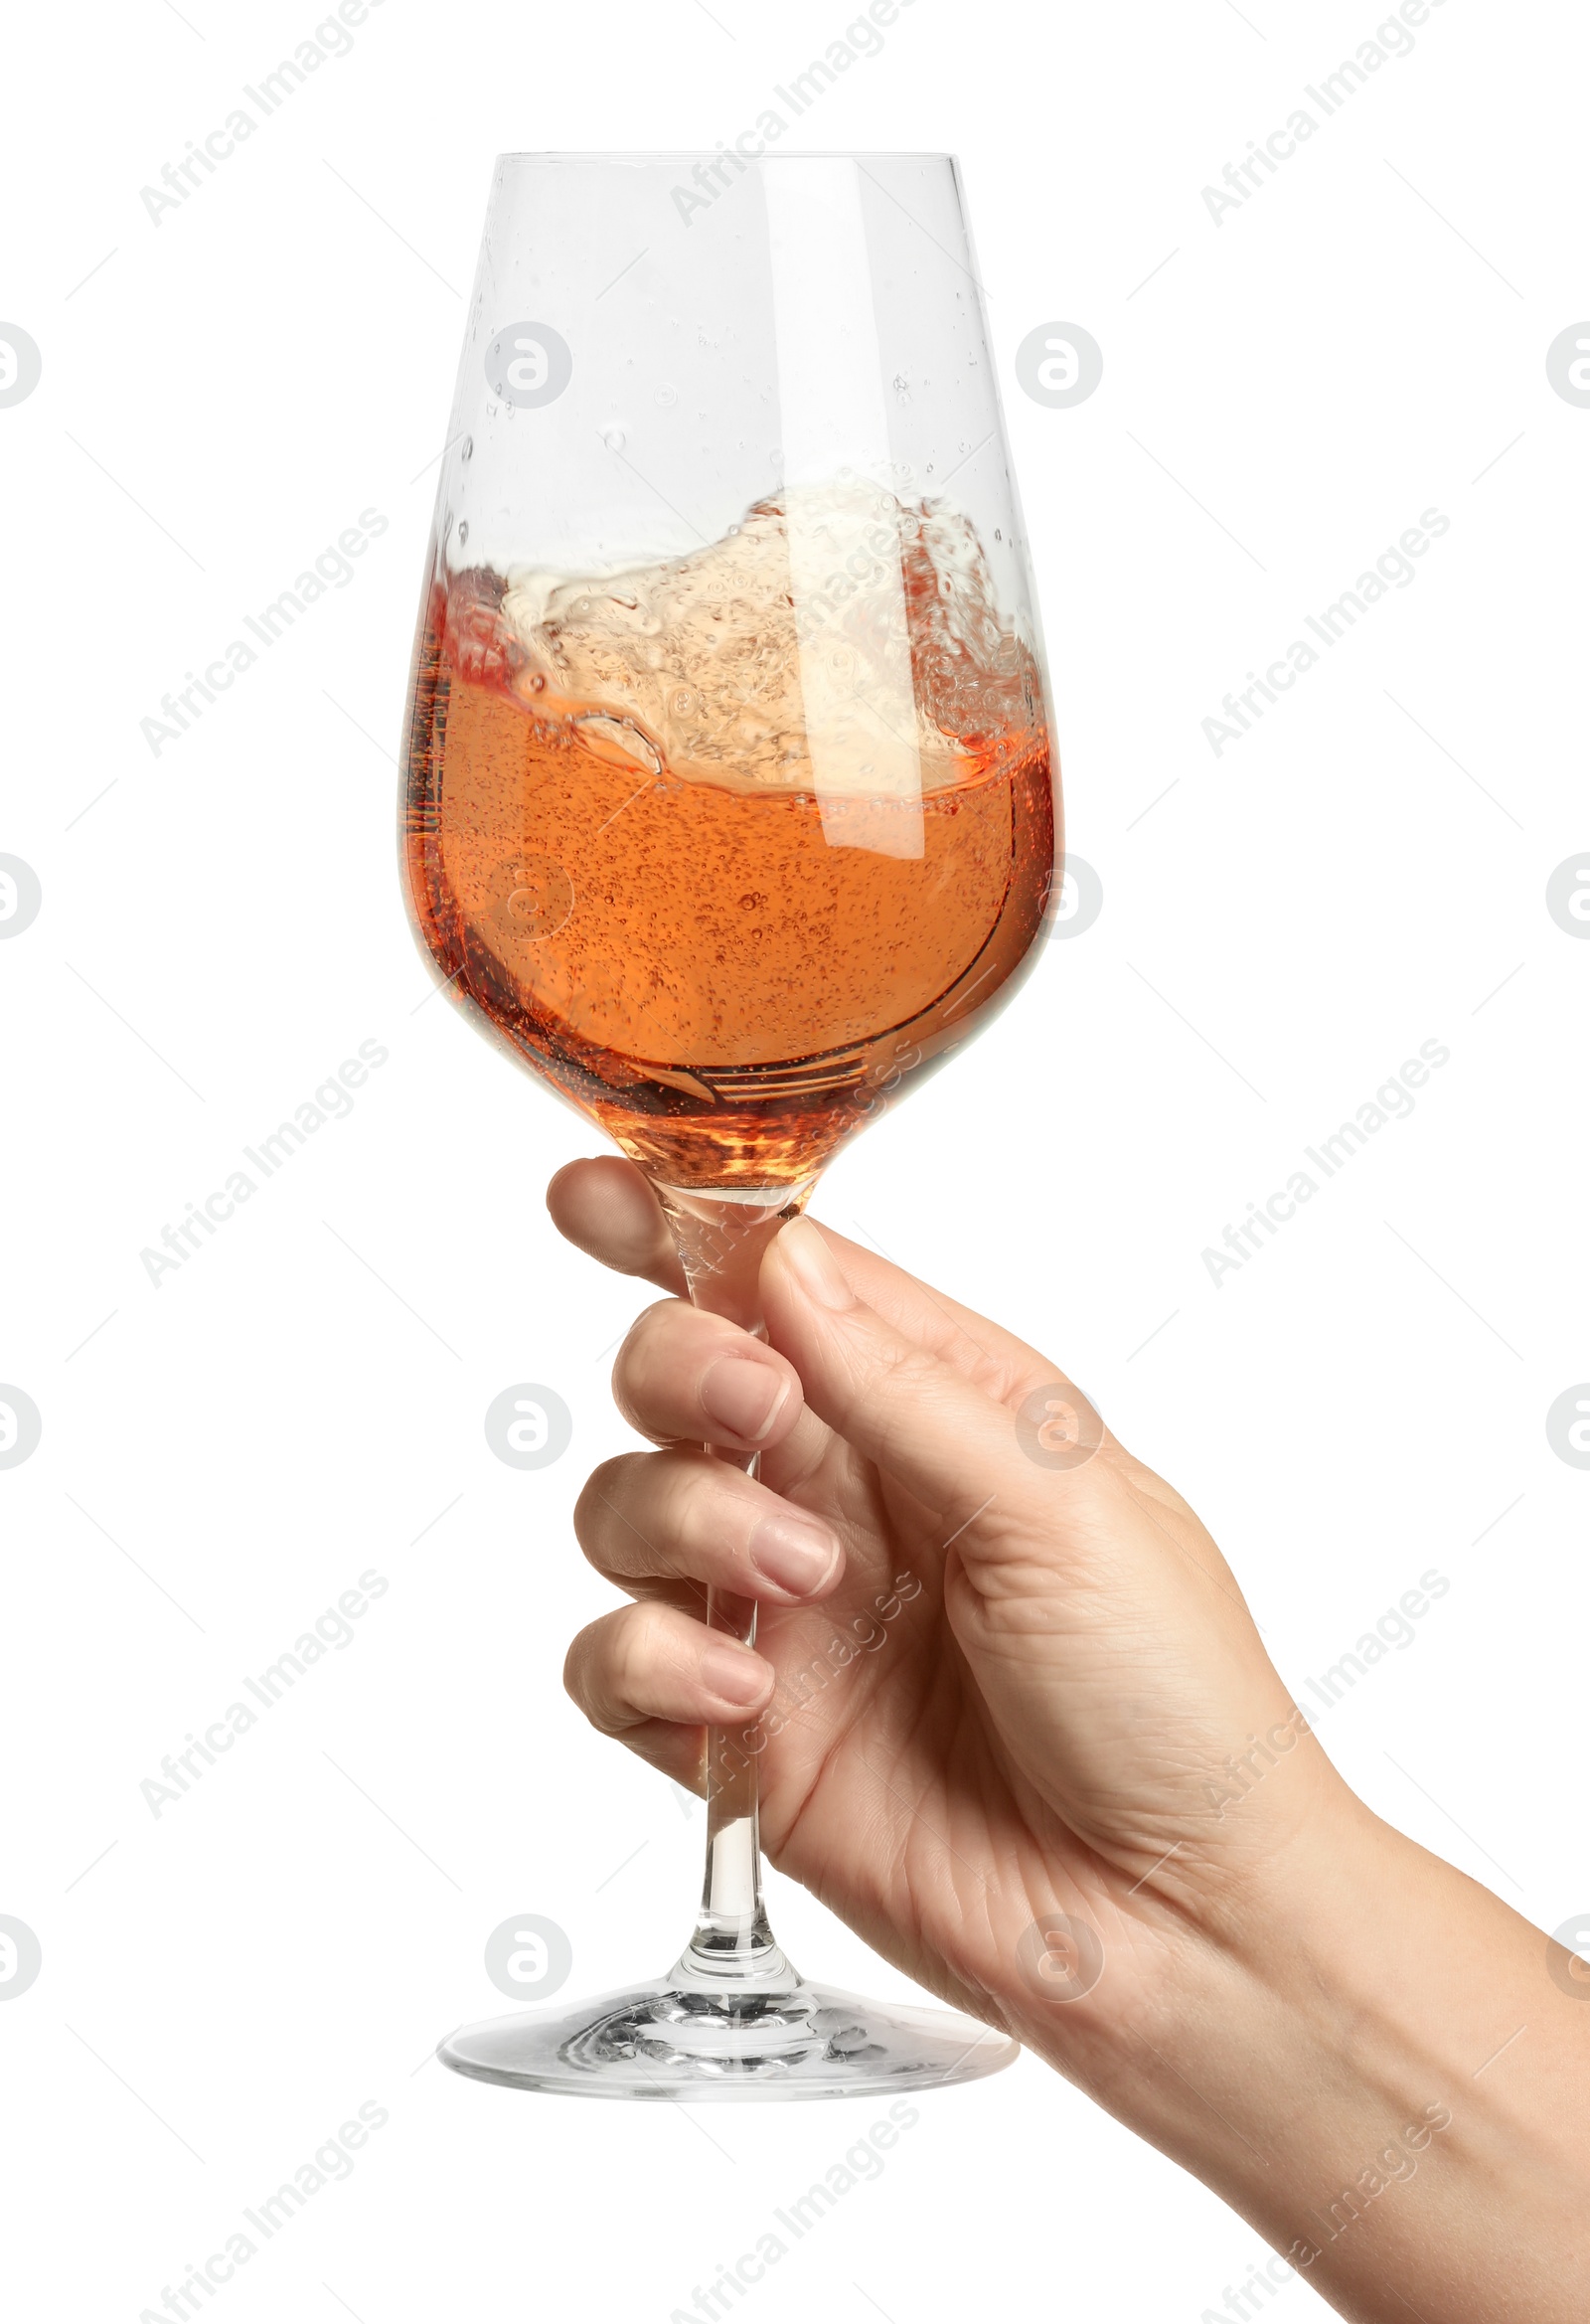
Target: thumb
954,1443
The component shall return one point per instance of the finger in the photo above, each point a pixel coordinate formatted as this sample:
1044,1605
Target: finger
605,1206
683,1376
946,1438
677,1517
650,1662
981,1349
678,1752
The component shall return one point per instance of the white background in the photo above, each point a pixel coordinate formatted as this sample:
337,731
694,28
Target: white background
222,395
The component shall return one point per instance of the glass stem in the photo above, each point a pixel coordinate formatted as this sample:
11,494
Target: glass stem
721,1239
732,1940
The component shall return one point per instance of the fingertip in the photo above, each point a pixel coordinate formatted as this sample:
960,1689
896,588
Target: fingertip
751,1393
802,1558
590,1191
735,1679
605,1207
808,1261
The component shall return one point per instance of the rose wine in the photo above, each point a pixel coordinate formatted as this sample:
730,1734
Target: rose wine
735,847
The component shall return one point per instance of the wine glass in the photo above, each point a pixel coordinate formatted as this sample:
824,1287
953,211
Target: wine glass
729,809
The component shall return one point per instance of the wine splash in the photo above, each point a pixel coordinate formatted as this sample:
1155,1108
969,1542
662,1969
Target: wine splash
733,847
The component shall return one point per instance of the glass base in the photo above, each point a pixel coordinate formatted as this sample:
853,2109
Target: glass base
659,2041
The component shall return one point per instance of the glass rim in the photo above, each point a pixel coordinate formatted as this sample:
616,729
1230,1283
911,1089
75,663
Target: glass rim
629,157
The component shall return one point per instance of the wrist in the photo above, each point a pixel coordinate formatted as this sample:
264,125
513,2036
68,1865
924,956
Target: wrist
1363,2053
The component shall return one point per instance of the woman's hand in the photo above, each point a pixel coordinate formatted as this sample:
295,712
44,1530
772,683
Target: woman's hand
1005,1682
1016,1726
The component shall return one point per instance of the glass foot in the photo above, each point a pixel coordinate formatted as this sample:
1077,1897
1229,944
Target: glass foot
660,2042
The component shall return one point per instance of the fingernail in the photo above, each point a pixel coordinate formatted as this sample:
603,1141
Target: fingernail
742,1395
814,1265
797,1556
733,1675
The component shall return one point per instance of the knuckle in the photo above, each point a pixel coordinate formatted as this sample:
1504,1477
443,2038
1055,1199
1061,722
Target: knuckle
603,1494
649,1331
649,1369
688,1484
576,1667
598,1671
906,1370
897,1383
633,1650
